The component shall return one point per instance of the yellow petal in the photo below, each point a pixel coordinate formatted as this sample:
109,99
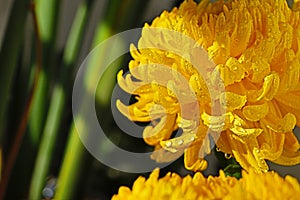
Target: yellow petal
200,89
270,86
220,50
291,100
132,112
161,155
215,123
245,156
255,112
181,142
223,143
132,87
232,71
291,151
192,161
241,34
283,125
271,143
296,5
290,77
291,142
260,69
246,132
232,101
288,158
161,131
268,90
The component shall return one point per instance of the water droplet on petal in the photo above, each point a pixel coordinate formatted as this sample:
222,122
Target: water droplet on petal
192,138
228,156
168,144
218,149
180,142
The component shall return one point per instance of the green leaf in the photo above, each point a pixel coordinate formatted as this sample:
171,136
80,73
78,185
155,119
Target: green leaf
234,170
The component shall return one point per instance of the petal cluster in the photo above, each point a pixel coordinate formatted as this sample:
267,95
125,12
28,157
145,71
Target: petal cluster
255,48
296,5
172,187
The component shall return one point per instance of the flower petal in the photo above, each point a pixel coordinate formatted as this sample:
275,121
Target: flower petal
161,131
192,161
241,34
283,125
291,151
255,112
232,101
272,143
133,113
232,71
247,155
268,90
160,155
290,104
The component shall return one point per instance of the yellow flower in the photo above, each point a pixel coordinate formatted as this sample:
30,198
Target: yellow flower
255,45
172,187
269,185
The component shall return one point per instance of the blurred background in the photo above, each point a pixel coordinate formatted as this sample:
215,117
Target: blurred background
42,45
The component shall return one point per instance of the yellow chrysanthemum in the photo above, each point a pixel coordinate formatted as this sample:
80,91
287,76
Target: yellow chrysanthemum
172,187
255,45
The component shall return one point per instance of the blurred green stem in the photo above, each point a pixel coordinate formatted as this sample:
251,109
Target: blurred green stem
72,164
9,56
57,104
47,12
119,14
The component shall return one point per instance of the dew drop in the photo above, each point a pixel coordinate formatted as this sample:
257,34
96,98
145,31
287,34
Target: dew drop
242,130
180,142
234,68
192,138
228,156
186,63
168,144
218,149
262,161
